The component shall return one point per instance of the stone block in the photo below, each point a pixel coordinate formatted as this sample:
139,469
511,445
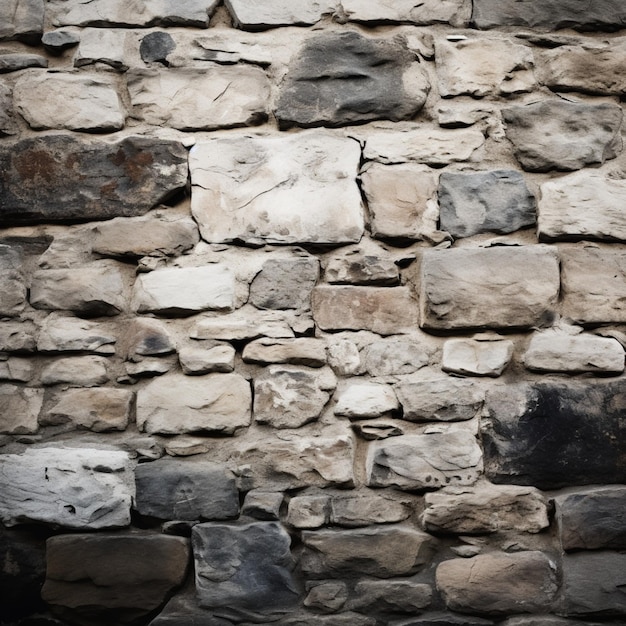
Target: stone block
56,41
22,19
365,269
469,357
243,325
16,369
19,409
16,62
17,336
203,357
61,333
392,357
390,596
262,505
102,46
8,124
326,596
13,290
80,371
275,13
453,12
358,400
307,351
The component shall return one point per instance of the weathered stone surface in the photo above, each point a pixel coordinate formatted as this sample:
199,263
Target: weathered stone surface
15,62
287,396
184,291
115,577
481,67
216,403
550,14
485,509
274,13
13,290
262,505
497,201
562,135
101,46
94,290
100,410
82,371
147,368
17,336
181,490
362,269
144,337
203,357
349,618
592,281
200,99
60,178
441,399
285,283
383,310
593,583
488,288
302,351
583,205
244,569
240,190
424,461
365,399
594,518
391,357
343,357
156,46
400,199
389,596
21,19
554,351
19,408
476,358
454,12
16,369
242,325
8,125
60,333
72,487
56,41
444,618
327,596
55,100
183,610
498,583
555,434
383,552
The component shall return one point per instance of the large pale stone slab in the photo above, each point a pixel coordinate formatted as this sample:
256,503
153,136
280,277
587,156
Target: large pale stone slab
562,135
21,19
200,99
71,334
272,13
499,287
469,357
454,12
55,100
365,399
82,371
102,46
207,356
72,487
284,189
19,409
583,205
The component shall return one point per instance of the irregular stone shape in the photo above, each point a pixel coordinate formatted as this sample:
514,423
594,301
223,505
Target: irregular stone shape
115,577
589,519
476,358
424,461
592,282
454,12
274,13
19,408
12,287
553,351
71,487
17,336
497,201
82,371
56,41
388,596
541,620
309,511
183,610
215,403
22,19
101,46
94,290
99,410
383,551
16,369
145,337
439,618
498,583
365,399
209,356
561,135
441,399
288,397
56,178
368,269
302,351
119,13
180,490
583,205
391,357
54,100
16,62
344,78
156,46
262,505
250,189
285,283
161,235
200,99
242,325
8,125
555,434
328,597
481,67
244,569
343,357
550,14
593,583
485,509
147,368
71,334
501,287
383,310
184,291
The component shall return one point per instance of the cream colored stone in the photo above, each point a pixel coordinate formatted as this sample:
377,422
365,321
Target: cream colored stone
81,371
61,333
301,351
454,12
16,369
476,358
364,399
204,357
272,13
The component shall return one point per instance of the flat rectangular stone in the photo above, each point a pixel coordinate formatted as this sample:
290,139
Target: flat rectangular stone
272,13
19,409
454,12
21,19
60,333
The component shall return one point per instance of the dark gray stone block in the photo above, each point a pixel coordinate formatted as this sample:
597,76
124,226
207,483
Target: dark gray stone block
156,46
56,41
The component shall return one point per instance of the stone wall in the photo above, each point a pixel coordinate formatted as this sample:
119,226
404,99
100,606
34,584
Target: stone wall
312,313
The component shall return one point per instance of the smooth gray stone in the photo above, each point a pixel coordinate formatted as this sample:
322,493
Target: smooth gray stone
22,20
56,41
15,62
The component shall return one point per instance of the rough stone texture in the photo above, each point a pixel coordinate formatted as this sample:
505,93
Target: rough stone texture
262,505
81,371
8,124
365,399
392,357
250,189
583,205
49,100
488,288
56,178
562,135
56,41
16,369
404,596
274,13
485,509
183,610
13,290
17,336
345,78
71,487
200,99
16,62
469,357
424,461
99,46
244,570
366,269
455,12
240,325
497,584
21,19
61,333
383,310
590,519
19,408
215,403
120,577
302,351
555,434
209,356
498,202
180,490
